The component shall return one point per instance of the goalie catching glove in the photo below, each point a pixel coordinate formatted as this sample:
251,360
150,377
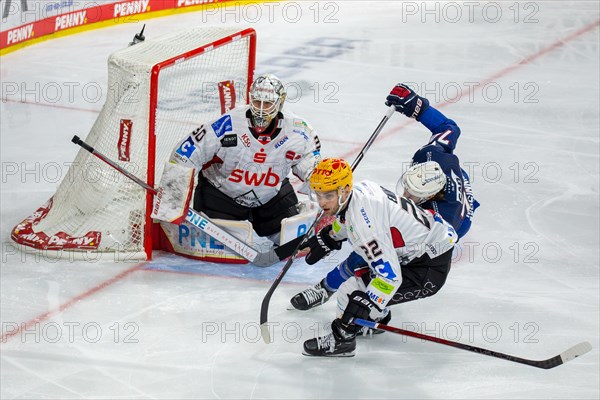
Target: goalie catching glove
321,245
407,101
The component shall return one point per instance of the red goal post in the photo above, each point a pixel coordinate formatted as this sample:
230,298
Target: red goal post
158,92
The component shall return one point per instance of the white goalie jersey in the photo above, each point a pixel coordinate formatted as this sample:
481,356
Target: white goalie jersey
246,168
389,231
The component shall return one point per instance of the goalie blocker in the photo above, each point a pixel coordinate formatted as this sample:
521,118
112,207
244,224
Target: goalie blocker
180,237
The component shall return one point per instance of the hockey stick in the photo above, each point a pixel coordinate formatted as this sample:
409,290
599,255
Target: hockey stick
264,308
565,356
200,221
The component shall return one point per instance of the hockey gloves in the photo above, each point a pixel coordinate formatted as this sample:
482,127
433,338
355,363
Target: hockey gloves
407,101
360,306
321,245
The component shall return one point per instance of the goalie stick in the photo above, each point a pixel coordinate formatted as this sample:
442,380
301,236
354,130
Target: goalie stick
199,220
264,308
565,356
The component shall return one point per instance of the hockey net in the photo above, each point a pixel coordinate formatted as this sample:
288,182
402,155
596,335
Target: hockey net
158,92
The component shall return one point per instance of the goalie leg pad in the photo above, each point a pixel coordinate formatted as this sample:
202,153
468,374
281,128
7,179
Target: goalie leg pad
189,241
296,226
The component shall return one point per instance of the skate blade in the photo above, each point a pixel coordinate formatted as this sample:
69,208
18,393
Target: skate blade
370,335
292,308
349,354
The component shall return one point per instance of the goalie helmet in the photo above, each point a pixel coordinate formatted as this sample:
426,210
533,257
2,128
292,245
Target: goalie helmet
331,174
267,96
423,181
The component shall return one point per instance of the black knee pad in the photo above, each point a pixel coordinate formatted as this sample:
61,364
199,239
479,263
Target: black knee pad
266,219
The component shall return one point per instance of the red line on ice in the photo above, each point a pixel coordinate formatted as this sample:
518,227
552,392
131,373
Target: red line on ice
49,314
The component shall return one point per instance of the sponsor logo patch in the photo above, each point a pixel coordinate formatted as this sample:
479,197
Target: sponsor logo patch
229,141
130,8
246,140
365,216
376,299
187,148
249,199
290,155
20,34
260,157
24,234
222,125
281,142
226,96
124,139
384,268
70,20
269,179
186,3
382,286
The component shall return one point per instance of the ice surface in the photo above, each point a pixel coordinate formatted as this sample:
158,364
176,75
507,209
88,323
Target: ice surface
525,280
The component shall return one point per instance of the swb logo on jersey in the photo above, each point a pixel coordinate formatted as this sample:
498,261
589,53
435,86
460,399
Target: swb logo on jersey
124,139
270,179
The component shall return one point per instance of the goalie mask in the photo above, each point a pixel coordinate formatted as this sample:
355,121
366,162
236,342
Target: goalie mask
267,96
422,181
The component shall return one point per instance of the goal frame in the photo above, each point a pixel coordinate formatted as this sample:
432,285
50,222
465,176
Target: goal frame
250,33
61,244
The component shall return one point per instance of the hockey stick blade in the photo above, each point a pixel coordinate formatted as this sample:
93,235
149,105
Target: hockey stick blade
552,362
264,332
575,351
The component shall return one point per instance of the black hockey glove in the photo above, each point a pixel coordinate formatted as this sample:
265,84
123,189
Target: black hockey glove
407,101
360,306
321,245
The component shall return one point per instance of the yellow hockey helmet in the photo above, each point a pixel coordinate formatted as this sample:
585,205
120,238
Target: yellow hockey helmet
331,174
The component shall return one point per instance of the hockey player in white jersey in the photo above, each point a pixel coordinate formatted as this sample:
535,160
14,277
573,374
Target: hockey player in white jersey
408,251
446,189
245,157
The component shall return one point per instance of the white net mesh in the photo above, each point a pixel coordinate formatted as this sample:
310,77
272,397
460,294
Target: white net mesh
94,197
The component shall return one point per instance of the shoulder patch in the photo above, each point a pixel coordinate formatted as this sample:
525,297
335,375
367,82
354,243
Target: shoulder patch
222,125
187,148
229,141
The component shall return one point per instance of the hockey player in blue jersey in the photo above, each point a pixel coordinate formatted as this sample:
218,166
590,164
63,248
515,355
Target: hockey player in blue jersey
435,181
